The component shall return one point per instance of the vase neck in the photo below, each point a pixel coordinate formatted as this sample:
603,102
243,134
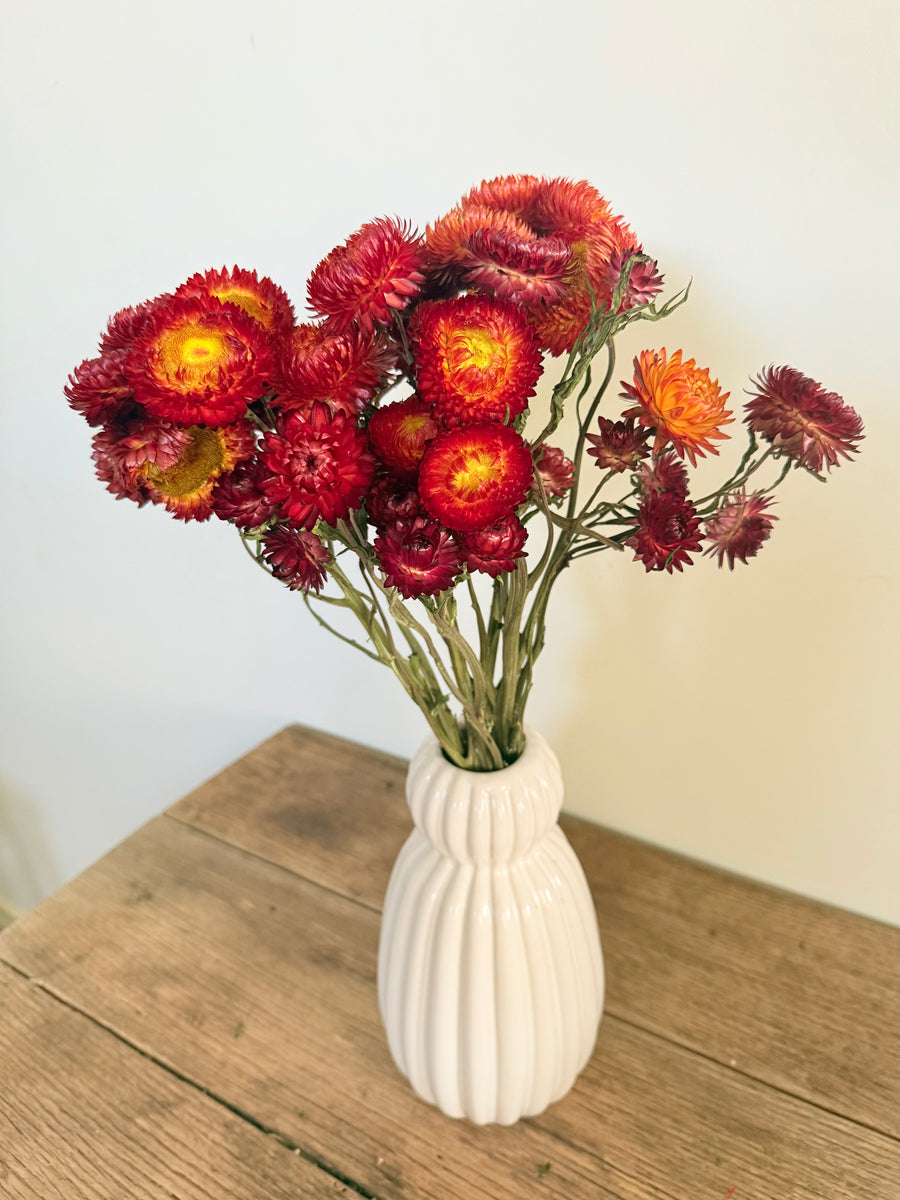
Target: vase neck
485,817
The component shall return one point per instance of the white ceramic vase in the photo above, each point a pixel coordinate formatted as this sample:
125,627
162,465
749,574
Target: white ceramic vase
490,974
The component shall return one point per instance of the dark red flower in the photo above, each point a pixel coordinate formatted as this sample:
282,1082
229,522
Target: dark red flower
619,446
664,473
296,557
418,557
472,476
739,528
239,497
320,467
374,274
526,270
667,532
802,420
390,500
128,324
495,549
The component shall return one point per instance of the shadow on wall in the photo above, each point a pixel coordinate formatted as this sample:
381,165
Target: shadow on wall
27,869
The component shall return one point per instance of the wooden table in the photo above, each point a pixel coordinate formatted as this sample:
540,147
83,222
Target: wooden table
195,1017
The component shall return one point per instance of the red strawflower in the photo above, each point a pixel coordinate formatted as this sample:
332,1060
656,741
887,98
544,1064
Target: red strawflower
619,446
447,242
667,531
418,557
664,473
98,388
802,420
239,497
495,549
399,433
199,361
522,268
473,476
320,467
679,401
549,206
739,528
557,473
342,370
129,323
374,274
262,299
644,279
144,459
476,359
389,500
296,557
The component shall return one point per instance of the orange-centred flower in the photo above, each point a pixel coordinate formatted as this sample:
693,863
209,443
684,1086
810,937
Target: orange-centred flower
476,359
260,298
474,476
678,400
199,361
399,433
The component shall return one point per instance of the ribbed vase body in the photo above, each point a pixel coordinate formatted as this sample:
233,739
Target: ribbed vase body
490,974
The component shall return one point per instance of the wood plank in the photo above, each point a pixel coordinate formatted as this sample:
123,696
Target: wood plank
793,993
83,1117
261,987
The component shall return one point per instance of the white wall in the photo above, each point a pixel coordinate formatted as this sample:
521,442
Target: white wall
747,719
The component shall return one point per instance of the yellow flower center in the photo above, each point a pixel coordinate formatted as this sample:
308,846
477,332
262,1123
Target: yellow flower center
477,350
475,472
191,353
202,461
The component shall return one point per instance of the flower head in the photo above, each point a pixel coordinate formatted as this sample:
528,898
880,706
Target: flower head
296,557
239,497
664,473
320,467
739,528
399,433
375,273
802,420
390,500
473,476
495,549
556,472
199,361
259,298
548,206
619,446
342,370
680,401
129,323
418,557
144,459
476,359
98,388
667,532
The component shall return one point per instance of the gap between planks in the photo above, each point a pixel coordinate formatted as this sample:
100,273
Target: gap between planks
283,1140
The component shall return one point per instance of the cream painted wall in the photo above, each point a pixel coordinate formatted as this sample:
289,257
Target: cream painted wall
749,719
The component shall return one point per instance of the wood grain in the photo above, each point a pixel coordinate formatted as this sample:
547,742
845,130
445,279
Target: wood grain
83,1117
788,991
260,986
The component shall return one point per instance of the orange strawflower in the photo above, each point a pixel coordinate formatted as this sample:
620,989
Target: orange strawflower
678,400
476,359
